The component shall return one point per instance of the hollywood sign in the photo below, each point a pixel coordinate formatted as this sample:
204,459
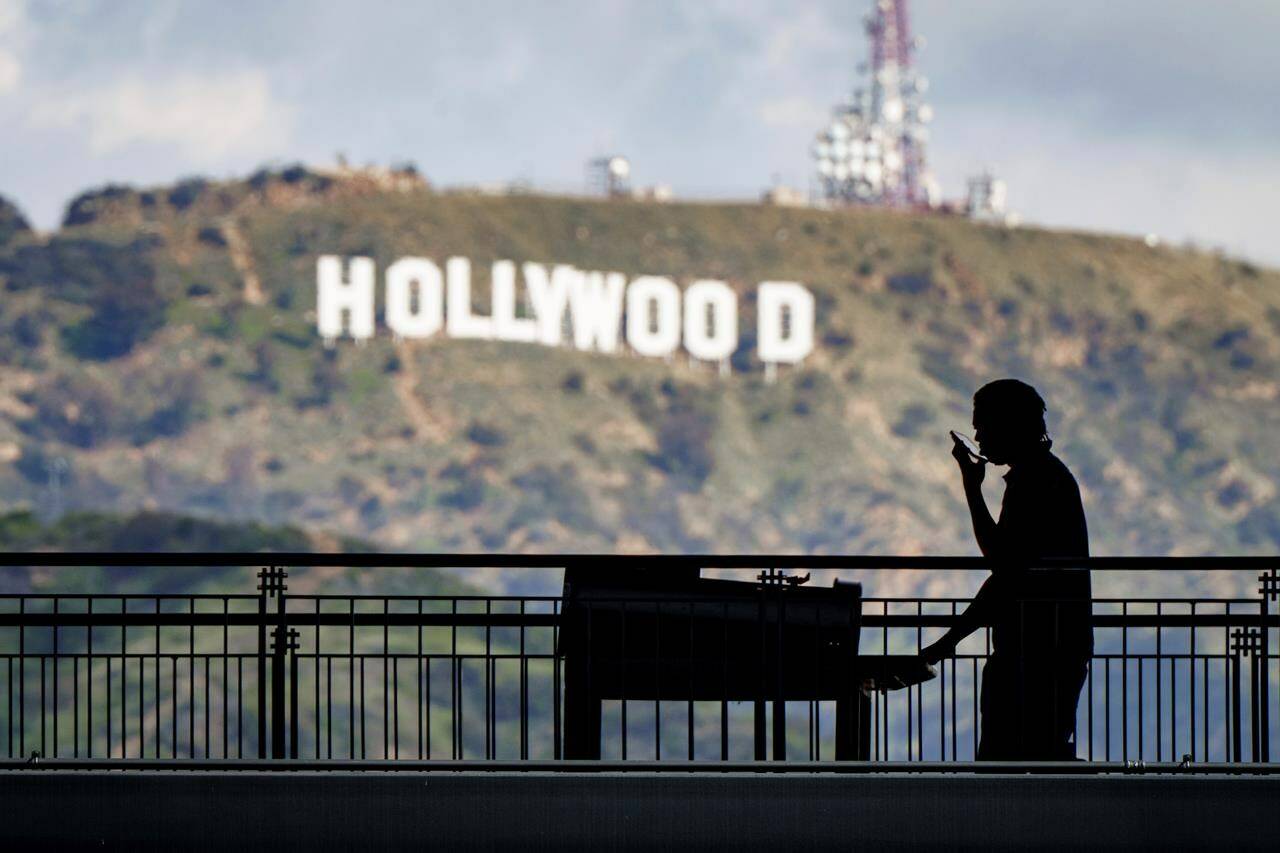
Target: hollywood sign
649,313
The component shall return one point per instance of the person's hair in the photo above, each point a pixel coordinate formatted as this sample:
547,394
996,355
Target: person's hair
1018,405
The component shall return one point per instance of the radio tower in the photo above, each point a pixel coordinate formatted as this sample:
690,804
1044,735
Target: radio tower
873,152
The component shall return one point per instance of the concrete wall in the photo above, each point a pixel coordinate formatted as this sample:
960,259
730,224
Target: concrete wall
448,811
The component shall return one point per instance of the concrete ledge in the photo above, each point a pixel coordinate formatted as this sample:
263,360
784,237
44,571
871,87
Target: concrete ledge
304,810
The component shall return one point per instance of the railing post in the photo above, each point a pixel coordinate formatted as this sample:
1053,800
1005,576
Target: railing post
1243,642
1269,590
271,583
284,642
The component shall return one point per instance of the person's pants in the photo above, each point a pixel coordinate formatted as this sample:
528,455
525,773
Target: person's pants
1029,708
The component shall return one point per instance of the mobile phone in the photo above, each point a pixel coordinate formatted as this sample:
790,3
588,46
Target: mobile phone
968,445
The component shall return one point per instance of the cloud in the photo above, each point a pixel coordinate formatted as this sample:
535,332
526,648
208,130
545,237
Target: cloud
10,72
793,112
12,30
1062,175
206,117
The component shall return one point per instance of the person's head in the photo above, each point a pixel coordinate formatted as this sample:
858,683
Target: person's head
1008,421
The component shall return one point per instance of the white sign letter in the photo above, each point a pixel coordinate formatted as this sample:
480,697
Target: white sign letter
336,296
461,322
402,318
653,316
710,320
787,341
549,294
595,304
506,325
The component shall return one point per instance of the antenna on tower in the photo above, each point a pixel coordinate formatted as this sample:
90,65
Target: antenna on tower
56,468
609,176
874,150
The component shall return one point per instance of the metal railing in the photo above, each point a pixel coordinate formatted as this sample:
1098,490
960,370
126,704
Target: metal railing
309,679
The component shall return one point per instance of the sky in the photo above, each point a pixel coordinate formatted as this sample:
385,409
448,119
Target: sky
1134,116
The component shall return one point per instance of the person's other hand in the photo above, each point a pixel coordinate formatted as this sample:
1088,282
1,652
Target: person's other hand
935,652
972,470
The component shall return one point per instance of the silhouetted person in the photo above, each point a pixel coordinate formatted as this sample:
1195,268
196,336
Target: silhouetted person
1041,638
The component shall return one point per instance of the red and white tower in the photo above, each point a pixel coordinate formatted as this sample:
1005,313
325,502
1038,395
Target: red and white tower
873,152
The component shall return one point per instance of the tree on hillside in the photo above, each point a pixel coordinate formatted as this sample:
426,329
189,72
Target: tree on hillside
12,222
126,307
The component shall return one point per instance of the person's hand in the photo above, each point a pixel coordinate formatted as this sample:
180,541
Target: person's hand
971,470
935,652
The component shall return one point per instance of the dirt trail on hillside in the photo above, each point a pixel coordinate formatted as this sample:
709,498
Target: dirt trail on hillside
425,424
242,260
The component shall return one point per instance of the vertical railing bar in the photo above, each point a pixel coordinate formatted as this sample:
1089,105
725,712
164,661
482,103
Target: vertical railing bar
724,681
328,705
942,708
1237,751
920,686
1107,715
142,700
75,706
1089,752
455,723
1124,683
1159,688
44,723
556,733
55,678
159,711
1173,708
426,702
351,680
395,704
1264,692
657,681
364,732
293,645
316,641
226,663
106,658
975,725
191,673
815,710
173,747
386,650
1191,732
124,680
884,640
1255,704
88,686
1205,662
955,688
9,720
262,664
489,722
1141,709
524,691
207,738
622,641
691,678
1229,733
418,629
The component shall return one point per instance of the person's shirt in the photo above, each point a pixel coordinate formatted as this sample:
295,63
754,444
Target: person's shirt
1042,611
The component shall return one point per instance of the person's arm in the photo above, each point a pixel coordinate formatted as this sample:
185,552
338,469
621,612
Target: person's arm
972,472
985,530
973,618
984,526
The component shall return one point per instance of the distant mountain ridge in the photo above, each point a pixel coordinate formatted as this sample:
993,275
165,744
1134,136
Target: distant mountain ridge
163,343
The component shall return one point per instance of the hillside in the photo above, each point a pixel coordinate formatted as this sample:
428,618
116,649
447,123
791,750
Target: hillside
163,343
158,531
